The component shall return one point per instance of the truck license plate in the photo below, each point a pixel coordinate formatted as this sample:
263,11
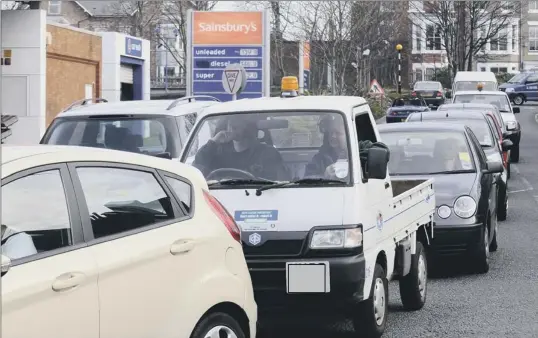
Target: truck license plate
308,277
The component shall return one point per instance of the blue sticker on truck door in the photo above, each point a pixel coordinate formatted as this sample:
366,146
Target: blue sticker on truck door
257,220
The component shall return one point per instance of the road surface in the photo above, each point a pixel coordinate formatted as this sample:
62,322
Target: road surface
501,303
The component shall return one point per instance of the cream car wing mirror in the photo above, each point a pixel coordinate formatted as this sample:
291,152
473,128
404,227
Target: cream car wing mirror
5,264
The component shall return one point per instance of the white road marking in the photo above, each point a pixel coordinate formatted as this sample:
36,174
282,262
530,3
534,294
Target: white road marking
536,118
522,190
514,168
526,183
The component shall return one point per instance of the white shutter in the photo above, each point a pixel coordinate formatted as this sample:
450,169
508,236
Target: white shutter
126,74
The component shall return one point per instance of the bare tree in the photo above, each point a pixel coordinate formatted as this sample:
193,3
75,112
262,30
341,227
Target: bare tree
463,28
345,36
174,17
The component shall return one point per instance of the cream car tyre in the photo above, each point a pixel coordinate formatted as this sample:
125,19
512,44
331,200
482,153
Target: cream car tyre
218,325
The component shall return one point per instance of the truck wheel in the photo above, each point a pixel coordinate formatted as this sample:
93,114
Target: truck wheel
413,286
371,319
502,204
519,99
482,253
218,324
514,154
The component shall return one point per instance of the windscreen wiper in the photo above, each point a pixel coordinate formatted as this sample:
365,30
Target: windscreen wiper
241,181
462,171
298,182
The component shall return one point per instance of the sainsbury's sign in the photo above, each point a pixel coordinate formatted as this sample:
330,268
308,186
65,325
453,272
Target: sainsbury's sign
227,28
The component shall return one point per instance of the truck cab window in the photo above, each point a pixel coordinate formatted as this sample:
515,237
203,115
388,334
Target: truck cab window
365,132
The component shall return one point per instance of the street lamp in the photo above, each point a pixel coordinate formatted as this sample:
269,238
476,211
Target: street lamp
399,48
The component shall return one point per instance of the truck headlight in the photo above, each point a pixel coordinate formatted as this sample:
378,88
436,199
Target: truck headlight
511,125
465,207
509,90
336,239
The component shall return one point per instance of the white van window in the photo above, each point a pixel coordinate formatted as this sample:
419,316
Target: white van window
472,85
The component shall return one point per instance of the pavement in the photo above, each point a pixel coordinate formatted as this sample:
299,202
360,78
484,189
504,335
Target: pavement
501,303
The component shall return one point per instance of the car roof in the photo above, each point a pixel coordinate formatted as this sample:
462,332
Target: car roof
312,103
468,105
484,92
453,115
11,153
422,126
427,82
143,107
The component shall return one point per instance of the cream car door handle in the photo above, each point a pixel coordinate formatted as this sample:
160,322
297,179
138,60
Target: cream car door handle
181,247
68,281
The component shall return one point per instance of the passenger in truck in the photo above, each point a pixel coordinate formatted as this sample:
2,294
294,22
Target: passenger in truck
237,147
333,149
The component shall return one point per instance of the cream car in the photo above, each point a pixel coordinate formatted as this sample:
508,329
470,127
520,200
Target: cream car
100,243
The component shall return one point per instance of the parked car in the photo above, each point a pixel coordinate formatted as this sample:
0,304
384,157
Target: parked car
324,226
403,106
159,128
499,99
490,110
431,91
484,129
465,184
522,87
102,243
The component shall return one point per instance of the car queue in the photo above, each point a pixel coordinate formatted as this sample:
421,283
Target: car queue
292,202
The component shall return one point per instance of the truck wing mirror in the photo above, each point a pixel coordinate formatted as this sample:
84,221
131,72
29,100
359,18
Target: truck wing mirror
376,165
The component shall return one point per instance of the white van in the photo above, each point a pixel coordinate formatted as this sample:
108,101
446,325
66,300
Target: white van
469,81
323,227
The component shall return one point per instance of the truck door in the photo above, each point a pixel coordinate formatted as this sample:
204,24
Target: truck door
375,194
531,87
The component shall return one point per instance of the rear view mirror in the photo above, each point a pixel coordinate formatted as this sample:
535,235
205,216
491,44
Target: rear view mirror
165,155
376,166
5,264
494,168
515,110
507,145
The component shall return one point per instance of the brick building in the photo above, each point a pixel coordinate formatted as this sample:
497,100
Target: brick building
73,67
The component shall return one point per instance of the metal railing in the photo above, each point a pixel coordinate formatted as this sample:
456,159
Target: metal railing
84,102
189,99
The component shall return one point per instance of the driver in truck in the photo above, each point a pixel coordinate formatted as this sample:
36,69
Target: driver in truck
333,150
238,147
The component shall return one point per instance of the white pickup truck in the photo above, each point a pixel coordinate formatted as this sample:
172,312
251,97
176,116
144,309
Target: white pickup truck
323,226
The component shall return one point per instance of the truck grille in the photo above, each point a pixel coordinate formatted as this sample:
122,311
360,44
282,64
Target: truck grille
272,248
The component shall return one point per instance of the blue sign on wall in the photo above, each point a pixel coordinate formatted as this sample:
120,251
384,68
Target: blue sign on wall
133,47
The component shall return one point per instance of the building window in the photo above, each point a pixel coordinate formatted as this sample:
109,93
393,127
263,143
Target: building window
499,70
418,75
55,7
499,42
433,38
430,74
533,38
170,71
533,6
418,38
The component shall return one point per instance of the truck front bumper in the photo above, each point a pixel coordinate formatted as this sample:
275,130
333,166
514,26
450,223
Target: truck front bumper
347,276
456,239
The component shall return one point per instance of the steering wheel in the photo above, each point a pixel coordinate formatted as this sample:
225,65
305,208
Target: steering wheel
223,172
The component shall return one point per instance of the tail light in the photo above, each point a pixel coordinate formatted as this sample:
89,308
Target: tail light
223,215
414,93
439,94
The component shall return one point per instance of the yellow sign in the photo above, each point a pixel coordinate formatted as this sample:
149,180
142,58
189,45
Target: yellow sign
7,53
